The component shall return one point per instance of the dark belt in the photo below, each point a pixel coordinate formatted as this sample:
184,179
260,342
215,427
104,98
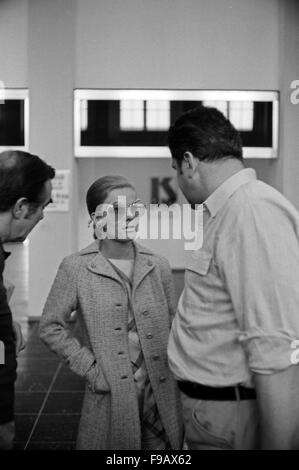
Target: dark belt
203,392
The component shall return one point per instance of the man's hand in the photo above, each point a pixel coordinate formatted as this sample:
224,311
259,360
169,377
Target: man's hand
19,340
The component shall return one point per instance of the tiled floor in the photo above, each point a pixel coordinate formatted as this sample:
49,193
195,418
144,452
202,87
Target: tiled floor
48,399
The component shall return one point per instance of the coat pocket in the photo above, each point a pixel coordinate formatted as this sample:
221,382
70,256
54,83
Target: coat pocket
97,382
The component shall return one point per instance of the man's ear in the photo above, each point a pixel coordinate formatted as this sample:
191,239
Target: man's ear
189,163
21,208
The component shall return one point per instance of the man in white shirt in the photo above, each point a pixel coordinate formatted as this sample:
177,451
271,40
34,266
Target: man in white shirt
231,342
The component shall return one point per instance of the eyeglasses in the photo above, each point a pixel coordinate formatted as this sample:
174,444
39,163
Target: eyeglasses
119,211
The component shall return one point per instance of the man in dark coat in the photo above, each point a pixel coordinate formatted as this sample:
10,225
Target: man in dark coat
25,190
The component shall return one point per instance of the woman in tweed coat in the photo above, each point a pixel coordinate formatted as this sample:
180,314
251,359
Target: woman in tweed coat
88,282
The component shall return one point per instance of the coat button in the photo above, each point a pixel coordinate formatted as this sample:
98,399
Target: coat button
145,313
162,379
156,357
149,336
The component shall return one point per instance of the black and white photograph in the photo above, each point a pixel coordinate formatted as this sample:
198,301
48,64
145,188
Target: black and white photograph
149,228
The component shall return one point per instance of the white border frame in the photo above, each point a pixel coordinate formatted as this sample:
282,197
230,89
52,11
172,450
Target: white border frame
181,95
18,94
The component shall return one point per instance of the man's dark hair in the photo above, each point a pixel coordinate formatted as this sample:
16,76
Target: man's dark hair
206,133
22,175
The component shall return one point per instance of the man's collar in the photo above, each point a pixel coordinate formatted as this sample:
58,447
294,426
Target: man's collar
218,198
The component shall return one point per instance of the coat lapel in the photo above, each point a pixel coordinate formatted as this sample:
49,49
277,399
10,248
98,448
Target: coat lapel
143,265
99,264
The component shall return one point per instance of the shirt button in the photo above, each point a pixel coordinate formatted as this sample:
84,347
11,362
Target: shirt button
162,379
145,313
149,336
156,357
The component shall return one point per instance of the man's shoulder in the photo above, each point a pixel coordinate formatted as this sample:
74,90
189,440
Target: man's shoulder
258,196
260,206
259,210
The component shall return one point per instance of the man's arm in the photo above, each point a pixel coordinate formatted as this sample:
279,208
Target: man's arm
278,401
260,267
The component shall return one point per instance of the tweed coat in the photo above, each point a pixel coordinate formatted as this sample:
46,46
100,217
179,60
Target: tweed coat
87,283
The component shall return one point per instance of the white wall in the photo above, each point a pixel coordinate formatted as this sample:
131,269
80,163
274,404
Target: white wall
177,44
50,80
219,44
13,42
55,46
289,118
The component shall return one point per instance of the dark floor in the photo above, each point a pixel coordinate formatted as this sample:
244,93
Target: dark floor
48,399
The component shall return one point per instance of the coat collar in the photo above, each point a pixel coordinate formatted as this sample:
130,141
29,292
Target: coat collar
144,263
94,247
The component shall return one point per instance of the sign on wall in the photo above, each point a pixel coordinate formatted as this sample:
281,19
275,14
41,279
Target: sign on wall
162,191
60,192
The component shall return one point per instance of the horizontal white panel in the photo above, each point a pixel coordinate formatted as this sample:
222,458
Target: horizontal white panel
10,94
157,152
176,95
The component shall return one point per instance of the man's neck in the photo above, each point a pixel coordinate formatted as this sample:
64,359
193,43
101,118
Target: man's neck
215,174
